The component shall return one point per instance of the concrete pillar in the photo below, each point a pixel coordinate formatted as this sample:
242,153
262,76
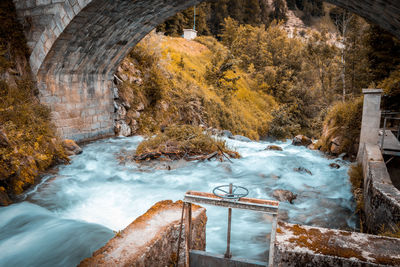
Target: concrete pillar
371,118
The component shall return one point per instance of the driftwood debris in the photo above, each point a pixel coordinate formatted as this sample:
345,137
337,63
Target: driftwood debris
179,155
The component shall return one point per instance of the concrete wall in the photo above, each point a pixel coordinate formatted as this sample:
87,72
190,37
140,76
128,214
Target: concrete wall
381,198
151,240
371,118
305,246
76,46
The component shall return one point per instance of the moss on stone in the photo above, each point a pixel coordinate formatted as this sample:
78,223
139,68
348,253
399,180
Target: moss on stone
32,145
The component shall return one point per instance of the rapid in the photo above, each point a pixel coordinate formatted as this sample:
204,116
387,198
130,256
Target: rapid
77,207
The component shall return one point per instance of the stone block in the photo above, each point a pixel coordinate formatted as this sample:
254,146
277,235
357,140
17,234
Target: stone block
300,245
151,239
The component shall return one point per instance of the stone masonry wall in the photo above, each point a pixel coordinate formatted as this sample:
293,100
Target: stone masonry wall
305,246
381,198
152,239
77,45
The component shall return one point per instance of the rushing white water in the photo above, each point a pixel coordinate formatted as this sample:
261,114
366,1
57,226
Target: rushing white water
73,212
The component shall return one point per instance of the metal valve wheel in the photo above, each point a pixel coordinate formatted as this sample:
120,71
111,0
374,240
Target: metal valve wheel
230,191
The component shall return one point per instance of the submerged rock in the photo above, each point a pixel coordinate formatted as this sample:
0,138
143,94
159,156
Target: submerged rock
302,170
274,147
240,138
334,166
301,140
71,148
284,195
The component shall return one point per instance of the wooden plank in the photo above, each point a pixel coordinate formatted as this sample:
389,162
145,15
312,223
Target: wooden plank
235,204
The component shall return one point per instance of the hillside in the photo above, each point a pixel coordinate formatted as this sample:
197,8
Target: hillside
168,80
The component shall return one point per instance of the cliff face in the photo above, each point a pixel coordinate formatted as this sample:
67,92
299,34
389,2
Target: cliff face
28,144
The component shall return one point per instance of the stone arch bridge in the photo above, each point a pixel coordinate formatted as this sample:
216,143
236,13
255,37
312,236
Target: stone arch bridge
76,46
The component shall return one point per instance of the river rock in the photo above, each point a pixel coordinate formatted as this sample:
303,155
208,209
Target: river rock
334,166
71,148
126,105
301,140
314,146
124,77
284,195
122,129
226,133
4,142
134,126
302,170
115,92
140,107
335,145
274,147
240,138
119,110
4,199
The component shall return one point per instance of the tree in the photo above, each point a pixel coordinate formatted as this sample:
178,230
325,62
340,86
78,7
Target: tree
342,19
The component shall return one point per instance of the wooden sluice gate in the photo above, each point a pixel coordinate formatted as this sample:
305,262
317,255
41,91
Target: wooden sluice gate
230,197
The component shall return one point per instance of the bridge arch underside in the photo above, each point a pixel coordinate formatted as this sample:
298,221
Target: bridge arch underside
78,44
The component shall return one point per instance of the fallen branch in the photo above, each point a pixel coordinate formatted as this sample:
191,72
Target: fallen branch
223,154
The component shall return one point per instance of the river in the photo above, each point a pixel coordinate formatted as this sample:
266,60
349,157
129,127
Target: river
75,209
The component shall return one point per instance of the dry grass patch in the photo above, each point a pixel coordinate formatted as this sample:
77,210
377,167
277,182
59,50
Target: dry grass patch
184,141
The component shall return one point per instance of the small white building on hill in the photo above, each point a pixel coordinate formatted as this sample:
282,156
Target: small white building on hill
189,34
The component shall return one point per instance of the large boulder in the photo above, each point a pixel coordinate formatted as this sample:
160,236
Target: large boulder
301,140
71,148
284,195
336,144
240,138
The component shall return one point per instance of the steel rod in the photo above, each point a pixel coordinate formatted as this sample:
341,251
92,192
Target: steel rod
228,254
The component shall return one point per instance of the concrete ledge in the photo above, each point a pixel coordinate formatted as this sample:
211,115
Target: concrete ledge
298,245
151,240
381,197
372,91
